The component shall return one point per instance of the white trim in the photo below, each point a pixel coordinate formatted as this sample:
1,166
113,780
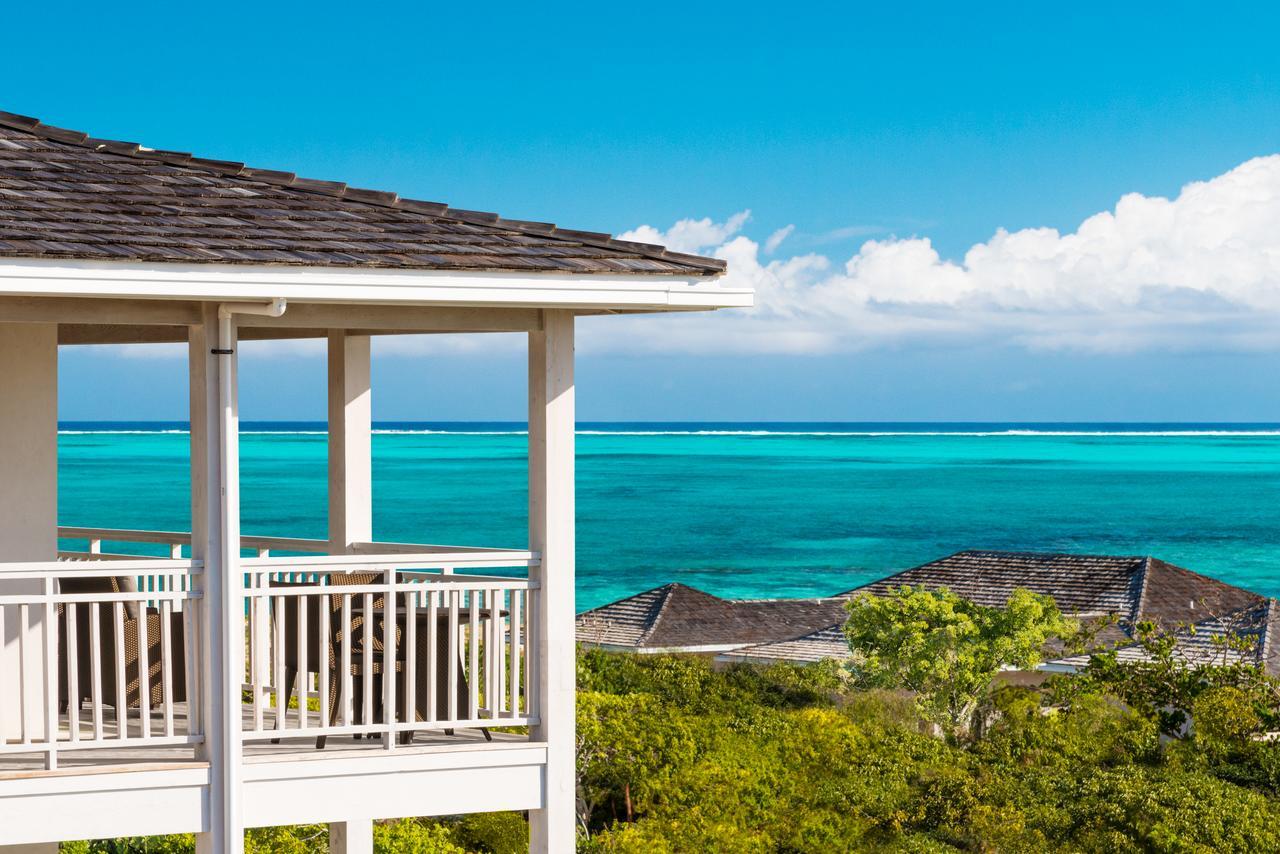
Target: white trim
72,278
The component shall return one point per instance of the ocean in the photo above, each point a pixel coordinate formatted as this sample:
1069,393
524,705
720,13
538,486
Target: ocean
744,510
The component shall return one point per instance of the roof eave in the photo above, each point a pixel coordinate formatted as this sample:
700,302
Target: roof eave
134,280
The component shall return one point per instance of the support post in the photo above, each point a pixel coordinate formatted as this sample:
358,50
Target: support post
551,532
350,438
28,513
215,521
353,836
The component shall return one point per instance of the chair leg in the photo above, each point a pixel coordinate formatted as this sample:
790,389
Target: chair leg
282,703
488,736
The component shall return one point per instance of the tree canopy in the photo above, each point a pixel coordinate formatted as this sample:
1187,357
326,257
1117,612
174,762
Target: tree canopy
946,649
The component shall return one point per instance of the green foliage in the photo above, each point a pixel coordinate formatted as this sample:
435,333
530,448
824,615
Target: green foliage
1165,686
945,649
414,836
494,832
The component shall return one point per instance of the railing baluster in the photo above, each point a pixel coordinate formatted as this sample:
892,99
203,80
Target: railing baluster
24,628
277,655
166,663
122,697
72,653
498,636
51,674
144,671
390,620
366,669
345,664
454,657
257,639
531,654
326,660
411,658
95,665
516,596
433,640
300,608
473,658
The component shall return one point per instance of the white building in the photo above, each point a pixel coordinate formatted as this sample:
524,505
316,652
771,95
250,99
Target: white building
107,242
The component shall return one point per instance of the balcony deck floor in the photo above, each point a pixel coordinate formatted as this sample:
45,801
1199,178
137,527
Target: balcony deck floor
133,757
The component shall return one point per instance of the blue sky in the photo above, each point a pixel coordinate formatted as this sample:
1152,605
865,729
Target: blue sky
893,123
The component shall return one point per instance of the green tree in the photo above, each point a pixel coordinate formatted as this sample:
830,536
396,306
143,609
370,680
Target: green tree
946,649
1164,684
628,746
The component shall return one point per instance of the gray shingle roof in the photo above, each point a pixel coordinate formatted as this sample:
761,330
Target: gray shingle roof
64,194
676,616
1131,588
825,643
1258,624
1128,588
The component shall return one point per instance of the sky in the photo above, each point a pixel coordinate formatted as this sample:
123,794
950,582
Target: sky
997,211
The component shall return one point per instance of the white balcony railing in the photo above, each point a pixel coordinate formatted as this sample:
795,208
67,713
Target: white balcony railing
106,643
113,634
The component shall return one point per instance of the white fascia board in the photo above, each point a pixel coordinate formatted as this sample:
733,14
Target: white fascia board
235,282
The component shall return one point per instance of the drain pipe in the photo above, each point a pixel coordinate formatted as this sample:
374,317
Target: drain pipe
232,643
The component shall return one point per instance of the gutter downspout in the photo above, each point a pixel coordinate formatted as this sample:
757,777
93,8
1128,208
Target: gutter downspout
232,643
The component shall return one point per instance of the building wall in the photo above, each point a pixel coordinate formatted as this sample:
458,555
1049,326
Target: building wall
28,494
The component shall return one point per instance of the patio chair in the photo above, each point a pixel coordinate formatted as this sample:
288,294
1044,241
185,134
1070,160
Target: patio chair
356,663
106,643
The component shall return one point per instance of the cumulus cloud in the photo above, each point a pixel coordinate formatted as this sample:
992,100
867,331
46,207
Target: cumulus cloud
1201,270
690,235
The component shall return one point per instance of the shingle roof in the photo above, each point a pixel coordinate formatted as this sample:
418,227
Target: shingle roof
1258,624
676,616
64,194
825,643
1130,588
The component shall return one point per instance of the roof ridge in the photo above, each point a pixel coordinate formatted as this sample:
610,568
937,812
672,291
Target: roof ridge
665,594
339,189
1140,606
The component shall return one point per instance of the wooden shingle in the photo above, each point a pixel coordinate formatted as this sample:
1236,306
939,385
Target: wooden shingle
64,194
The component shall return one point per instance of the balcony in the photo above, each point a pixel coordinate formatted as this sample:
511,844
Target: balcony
102,677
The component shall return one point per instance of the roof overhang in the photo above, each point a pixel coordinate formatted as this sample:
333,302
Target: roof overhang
232,282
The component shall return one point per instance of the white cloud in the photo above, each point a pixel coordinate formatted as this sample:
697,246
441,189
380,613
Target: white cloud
690,235
775,240
1198,271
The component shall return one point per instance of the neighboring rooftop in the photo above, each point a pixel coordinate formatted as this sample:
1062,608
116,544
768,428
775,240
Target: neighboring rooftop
1129,588
1200,643
676,617
65,195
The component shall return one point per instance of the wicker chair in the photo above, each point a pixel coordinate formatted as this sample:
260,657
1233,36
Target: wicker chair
106,643
355,665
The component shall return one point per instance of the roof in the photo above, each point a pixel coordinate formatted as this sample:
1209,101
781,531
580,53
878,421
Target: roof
825,643
1196,645
676,616
1130,588
65,195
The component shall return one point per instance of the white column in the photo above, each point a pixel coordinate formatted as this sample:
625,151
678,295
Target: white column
216,538
551,532
350,448
350,493
354,836
28,504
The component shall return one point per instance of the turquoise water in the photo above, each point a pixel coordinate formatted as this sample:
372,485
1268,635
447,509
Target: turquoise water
745,510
